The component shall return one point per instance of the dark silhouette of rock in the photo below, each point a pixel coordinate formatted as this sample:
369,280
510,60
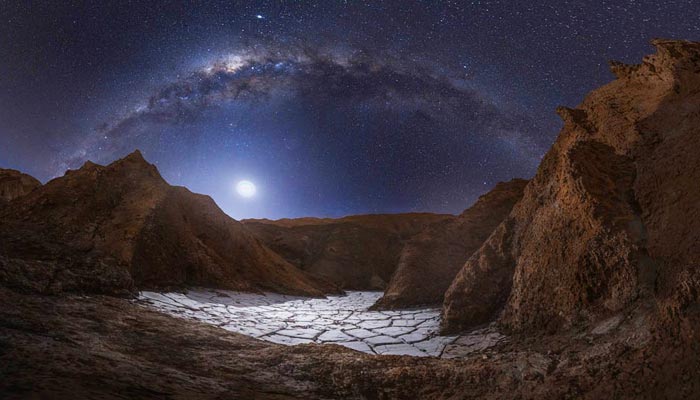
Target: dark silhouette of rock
359,252
15,184
127,218
612,218
432,258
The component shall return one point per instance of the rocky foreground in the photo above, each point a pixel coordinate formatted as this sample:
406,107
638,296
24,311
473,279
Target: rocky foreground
593,275
106,347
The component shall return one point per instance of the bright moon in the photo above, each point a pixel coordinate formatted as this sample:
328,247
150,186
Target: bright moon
246,188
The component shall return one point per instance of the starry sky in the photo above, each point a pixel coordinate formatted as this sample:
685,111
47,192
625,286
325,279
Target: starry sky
330,107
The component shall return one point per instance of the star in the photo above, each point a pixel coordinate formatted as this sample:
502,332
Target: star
421,112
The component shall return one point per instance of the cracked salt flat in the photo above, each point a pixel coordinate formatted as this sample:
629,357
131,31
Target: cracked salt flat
342,320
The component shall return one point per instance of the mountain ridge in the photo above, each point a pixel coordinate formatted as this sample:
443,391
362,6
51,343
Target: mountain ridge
161,235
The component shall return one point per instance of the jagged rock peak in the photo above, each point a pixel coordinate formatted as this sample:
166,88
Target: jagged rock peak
672,56
89,165
132,162
136,165
135,156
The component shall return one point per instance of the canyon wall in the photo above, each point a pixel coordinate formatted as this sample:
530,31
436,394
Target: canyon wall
612,217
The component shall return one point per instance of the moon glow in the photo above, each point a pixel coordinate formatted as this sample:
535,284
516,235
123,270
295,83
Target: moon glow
246,189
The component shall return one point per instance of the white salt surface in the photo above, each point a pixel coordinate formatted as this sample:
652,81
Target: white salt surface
342,320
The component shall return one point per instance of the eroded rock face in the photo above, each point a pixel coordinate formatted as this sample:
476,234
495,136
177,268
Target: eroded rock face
431,259
127,217
15,184
359,252
612,215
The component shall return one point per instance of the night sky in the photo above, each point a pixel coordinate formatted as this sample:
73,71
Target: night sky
330,108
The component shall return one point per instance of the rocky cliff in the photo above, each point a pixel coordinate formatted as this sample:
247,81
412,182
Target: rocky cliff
431,259
612,218
15,184
125,222
359,252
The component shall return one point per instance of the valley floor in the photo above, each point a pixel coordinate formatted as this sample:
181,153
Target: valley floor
342,320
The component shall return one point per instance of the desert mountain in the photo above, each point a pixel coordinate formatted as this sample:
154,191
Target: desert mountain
124,221
431,259
15,184
612,217
358,252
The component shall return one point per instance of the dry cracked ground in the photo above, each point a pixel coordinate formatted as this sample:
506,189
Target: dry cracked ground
343,320
114,348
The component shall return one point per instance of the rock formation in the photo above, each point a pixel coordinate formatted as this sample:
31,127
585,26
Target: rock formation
612,217
125,222
15,184
359,252
431,259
